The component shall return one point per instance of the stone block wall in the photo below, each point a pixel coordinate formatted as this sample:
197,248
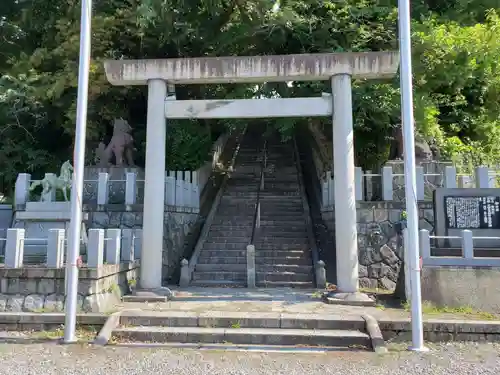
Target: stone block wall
179,225
380,242
42,289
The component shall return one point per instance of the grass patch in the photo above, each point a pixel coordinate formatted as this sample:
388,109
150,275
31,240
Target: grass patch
86,334
316,294
430,309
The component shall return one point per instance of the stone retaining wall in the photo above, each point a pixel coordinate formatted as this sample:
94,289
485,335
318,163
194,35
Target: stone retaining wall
42,289
380,242
178,226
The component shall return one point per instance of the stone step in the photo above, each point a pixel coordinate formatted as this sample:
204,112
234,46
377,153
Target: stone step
221,267
224,246
229,222
221,259
269,235
244,336
219,283
222,276
291,212
230,232
263,241
211,253
285,284
228,239
228,319
265,261
280,253
282,276
286,223
304,260
229,227
285,267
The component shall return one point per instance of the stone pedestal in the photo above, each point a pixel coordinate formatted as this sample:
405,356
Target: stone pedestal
117,177
37,219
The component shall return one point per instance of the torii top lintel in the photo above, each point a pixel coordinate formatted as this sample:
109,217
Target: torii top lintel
280,68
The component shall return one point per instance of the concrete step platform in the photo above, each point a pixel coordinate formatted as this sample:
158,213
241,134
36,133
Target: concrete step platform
229,319
285,284
243,328
245,336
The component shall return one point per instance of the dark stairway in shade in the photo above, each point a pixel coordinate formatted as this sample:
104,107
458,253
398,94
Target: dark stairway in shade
283,255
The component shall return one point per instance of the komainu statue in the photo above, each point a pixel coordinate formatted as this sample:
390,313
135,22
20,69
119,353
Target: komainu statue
121,146
424,152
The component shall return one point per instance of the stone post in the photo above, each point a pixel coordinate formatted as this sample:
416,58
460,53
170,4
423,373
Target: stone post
113,242
467,244
130,189
55,248
185,275
320,275
154,187
103,188
22,189
482,178
137,243
14,249
387,184
127,247
95,248
344,184
251,266
450,177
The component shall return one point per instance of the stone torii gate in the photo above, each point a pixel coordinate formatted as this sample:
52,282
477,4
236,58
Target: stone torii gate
340,68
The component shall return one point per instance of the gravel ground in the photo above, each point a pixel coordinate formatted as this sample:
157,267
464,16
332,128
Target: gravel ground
45,359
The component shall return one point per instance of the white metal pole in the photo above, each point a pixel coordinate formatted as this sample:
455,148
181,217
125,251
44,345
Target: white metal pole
77,188
410,174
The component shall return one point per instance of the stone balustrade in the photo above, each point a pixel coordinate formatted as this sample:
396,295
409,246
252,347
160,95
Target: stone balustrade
178,192
104,246
391,179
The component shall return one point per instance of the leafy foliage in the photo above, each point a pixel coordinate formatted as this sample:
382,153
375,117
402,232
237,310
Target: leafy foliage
456,71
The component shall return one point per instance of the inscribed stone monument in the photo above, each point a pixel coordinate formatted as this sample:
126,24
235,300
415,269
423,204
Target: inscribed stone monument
477,210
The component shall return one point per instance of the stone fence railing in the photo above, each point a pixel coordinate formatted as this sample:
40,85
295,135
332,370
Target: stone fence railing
467,259
104,246
391,183
183,189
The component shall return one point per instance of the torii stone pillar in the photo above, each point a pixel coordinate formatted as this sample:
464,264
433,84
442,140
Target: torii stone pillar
154,187
337,67
346,235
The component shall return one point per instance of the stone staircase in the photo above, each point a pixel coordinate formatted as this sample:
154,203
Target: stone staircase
222,260
283,255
